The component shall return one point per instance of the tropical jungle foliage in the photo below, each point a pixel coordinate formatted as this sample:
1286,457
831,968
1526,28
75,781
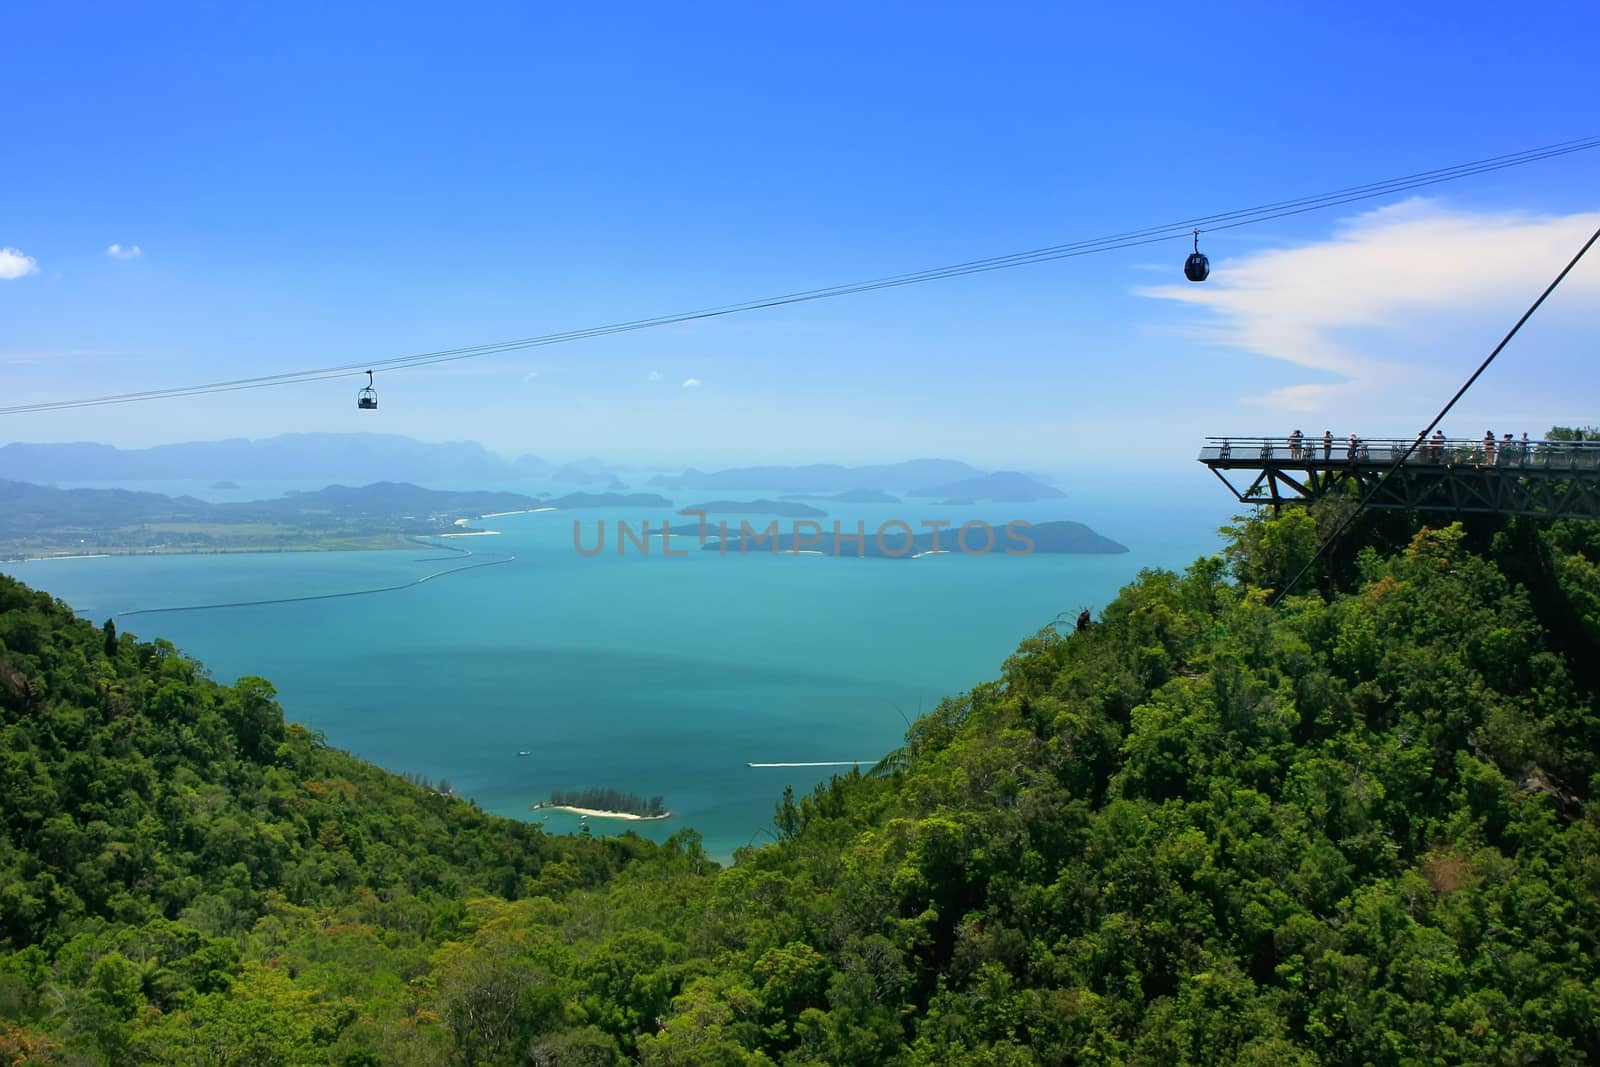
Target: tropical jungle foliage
1357,827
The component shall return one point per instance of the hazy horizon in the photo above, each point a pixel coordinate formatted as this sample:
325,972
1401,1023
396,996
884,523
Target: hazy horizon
1083,473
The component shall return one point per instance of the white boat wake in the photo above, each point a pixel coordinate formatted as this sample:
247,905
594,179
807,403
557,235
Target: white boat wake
825,763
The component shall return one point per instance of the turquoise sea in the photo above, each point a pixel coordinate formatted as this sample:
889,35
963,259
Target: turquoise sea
648,674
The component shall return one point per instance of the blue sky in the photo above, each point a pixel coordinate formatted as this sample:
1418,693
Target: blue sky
321,184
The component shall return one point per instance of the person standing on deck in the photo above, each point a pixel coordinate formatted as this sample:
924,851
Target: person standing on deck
1327,444
1488,448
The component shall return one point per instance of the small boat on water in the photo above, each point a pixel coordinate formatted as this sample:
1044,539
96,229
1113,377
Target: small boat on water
524,752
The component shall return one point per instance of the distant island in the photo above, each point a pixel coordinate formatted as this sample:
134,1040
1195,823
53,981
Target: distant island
605,804
1002,487
821,477
608,500
1044,538
40,520
788,509
849,496
585,471
224,484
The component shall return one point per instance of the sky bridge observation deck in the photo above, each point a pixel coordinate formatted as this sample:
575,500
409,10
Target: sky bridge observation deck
1550,479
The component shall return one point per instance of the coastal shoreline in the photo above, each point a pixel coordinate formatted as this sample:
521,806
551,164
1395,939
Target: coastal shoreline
263,550
382,542
597,813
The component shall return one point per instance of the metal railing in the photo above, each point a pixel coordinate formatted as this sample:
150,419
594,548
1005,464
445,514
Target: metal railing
1382,452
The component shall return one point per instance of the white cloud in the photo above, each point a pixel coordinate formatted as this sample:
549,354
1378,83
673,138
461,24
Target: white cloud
692,383
530,376
124,251
653,376
13,264
1394,276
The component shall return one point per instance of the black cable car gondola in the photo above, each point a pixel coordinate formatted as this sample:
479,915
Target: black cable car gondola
1197,267
367,399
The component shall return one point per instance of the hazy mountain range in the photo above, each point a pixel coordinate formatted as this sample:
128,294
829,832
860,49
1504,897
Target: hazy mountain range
347,457
355,458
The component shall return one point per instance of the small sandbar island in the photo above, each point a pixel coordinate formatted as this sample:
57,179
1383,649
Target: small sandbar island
597,813
604,804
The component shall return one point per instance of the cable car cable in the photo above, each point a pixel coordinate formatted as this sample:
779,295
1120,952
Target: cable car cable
976,266
1344,523
449,355
1128,239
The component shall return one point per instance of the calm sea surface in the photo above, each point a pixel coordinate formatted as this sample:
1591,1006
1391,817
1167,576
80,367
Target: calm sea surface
651,675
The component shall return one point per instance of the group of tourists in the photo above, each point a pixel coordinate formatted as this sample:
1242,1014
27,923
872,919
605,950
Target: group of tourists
1355,447
1503,452
1507,452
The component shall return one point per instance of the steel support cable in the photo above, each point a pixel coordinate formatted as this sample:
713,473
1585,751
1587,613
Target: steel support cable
1344,523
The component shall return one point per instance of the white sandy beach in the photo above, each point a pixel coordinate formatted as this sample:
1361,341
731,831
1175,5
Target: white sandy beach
524,511
474,533
596,813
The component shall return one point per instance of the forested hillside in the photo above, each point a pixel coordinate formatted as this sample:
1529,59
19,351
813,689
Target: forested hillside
185,878
1358,827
